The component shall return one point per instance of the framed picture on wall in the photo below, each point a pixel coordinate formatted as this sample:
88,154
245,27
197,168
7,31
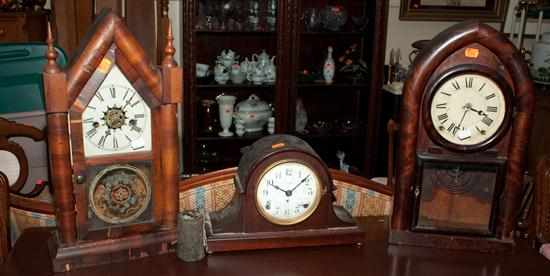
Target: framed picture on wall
453,10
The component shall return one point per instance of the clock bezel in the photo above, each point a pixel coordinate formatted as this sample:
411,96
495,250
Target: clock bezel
302,217
435,83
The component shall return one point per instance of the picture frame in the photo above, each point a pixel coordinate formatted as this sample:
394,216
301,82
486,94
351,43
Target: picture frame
453,10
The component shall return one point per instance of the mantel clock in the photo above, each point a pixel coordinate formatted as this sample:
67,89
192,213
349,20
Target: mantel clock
466,116
109,112
285,199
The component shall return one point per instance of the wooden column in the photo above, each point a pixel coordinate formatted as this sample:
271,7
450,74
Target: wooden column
172,95
55,86
4,217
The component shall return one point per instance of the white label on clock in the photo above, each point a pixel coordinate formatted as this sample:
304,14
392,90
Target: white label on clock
117,119
288,193
468,109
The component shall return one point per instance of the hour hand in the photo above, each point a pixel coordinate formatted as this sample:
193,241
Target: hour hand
276,187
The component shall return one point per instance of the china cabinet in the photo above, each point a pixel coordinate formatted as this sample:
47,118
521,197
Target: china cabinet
278,50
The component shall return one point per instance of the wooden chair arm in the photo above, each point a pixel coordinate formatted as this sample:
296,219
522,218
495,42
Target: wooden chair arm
4,218
32,205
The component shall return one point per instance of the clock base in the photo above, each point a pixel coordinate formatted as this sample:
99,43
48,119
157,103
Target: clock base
92,253
481,244
284,239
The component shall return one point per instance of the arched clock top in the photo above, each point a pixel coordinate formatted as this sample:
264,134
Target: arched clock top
467,109
110,33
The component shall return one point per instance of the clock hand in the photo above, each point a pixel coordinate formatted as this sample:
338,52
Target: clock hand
463,116
276,187
301,181
479,112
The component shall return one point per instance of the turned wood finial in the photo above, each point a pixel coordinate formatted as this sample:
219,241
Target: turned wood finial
51,54
169,50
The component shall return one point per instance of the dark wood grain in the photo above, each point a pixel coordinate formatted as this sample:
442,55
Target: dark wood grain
441,54
5,242
542,200
374,258
83,239
55,90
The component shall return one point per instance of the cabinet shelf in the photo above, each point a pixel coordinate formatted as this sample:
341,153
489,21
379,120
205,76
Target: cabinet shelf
335,34
231,86
235,33
334,85
246,137
325,136
294,97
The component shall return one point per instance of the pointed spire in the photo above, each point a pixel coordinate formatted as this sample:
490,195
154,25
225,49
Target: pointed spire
169,50
51,54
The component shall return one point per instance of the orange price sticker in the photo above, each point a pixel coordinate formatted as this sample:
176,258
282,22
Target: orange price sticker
278,145
104,65
471,52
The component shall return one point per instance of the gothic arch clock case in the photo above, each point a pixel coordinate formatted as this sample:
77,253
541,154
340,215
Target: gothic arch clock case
108,115
466,115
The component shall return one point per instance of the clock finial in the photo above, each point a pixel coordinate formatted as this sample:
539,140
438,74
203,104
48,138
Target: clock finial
169,50
51,54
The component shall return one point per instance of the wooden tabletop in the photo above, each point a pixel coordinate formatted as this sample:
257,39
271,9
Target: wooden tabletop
376,258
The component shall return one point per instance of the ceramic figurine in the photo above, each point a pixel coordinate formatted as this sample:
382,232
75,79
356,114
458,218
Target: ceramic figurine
329,67
225,104
253,15
301,116
271,125
272,15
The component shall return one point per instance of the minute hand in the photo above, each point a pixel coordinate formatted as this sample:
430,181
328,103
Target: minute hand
301,181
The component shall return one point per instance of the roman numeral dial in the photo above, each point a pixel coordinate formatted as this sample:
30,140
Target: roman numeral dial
120,120
467,109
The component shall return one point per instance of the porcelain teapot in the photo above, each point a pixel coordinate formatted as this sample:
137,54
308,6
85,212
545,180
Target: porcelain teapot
263,59
227,58
253,113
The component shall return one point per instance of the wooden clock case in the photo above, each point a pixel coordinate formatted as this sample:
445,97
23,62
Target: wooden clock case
468,46
81,239
246,229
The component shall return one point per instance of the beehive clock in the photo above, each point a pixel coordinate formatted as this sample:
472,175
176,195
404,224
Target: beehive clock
108,115
466,114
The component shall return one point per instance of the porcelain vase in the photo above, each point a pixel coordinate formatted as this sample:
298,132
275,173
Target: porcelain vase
225,104
329,67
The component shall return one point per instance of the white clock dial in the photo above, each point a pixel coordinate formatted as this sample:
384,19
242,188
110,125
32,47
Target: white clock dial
468,109
288,193
116,120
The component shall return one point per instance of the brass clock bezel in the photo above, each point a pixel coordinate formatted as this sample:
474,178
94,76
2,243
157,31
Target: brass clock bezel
439,80
302,217
134,216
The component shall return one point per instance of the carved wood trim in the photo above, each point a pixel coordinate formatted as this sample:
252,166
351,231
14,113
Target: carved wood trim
109,30
425,64
229,173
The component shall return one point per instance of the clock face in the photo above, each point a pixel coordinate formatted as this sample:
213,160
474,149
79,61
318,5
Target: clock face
288,193
116,120
468,109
